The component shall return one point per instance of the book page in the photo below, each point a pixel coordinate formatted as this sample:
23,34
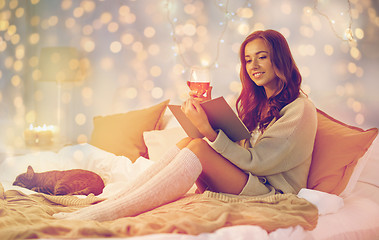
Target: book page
220,116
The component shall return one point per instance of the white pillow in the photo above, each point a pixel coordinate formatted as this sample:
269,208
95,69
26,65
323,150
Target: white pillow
159,141
370,171
366,169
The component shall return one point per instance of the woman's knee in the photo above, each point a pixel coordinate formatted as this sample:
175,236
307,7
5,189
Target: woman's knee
198,145
184,142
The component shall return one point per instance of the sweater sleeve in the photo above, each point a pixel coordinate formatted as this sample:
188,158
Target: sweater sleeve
285,144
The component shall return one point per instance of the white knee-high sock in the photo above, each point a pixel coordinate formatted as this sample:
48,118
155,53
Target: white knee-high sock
146,175
172,182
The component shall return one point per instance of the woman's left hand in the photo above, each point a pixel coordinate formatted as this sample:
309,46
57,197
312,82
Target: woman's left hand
193,110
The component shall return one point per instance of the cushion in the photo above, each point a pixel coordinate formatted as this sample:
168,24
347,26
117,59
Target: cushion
158,141
356,175
337,149
122,134
370,171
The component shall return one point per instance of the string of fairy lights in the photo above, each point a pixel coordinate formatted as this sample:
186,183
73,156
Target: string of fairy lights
348,34
229,15
224,24
214,23
345,34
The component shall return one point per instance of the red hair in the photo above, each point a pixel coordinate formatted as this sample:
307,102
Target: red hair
252,100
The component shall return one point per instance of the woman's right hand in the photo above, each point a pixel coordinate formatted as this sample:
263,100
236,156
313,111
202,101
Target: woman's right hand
195,113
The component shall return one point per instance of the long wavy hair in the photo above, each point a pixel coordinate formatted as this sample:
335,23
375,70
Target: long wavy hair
252,102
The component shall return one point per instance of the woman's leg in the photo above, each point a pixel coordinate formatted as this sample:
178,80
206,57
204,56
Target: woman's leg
158,165
149,172
218,174
171,182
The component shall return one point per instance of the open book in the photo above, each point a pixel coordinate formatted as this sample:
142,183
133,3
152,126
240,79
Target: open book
220,116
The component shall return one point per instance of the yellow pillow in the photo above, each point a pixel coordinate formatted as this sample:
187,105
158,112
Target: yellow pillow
122,134
337,149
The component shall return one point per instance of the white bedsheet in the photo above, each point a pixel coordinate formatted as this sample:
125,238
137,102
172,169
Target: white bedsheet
117,171
358,219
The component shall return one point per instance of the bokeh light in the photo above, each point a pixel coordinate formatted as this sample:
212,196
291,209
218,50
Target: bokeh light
137,53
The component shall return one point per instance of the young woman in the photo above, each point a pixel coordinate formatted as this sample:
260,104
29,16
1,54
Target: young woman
276,159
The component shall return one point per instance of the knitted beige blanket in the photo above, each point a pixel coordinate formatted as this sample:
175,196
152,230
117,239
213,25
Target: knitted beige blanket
30,216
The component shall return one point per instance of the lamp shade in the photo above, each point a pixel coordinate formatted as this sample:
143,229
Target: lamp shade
60,64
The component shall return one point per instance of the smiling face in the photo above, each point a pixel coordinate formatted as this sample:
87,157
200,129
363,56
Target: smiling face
259,66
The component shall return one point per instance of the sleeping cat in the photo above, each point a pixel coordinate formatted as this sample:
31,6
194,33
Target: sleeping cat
68,182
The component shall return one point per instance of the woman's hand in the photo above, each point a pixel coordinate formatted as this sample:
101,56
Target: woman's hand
195,113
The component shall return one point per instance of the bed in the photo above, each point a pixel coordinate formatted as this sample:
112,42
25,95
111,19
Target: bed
341,201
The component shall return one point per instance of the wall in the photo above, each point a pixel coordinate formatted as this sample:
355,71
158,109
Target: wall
138,53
